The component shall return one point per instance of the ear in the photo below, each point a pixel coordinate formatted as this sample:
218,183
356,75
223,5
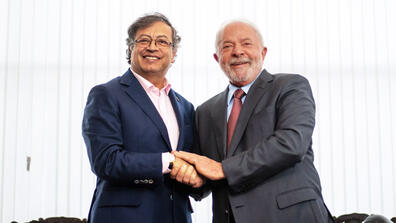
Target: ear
174,51
216,57
129,51
264,52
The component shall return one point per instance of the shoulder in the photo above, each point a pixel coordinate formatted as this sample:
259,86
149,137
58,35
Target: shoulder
107,87
112,84
217,100
285,81
104,93
286,78
292,87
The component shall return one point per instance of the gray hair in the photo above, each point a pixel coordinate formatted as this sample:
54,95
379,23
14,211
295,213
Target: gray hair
144,22
222,27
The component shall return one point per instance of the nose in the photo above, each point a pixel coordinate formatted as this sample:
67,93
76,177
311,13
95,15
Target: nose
237,51
152,46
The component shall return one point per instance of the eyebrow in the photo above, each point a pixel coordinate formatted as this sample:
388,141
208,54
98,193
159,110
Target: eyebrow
227,41
246,39
159,36
232,42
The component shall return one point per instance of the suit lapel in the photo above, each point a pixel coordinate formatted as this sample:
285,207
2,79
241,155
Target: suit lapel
137,93
255,94
175,100
219,116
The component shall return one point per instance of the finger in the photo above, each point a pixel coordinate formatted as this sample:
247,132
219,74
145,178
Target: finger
180,174
197,184
199,181
188,175
193,177
189,157
174,172
175,169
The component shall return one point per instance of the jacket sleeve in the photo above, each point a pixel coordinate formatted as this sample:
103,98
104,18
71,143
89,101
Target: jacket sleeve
102,133
290,141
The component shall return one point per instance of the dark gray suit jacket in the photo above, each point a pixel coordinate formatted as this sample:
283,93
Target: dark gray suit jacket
270,175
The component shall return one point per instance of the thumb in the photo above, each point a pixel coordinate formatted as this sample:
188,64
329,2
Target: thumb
186,156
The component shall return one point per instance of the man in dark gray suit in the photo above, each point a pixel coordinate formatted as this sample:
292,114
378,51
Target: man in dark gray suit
255,145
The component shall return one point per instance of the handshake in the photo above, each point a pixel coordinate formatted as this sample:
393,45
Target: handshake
193,169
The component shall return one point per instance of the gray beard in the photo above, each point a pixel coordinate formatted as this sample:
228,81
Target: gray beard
234,78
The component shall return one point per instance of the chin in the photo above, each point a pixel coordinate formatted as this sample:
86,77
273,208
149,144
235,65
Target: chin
239,77
151,69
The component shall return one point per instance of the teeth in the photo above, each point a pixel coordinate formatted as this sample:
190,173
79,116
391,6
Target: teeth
152,58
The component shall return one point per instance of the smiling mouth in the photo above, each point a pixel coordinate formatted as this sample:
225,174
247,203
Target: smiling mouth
238,64
151,57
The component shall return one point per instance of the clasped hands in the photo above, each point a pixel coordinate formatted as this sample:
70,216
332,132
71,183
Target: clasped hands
192,169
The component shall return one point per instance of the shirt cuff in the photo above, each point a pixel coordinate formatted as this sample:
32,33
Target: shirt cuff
166,159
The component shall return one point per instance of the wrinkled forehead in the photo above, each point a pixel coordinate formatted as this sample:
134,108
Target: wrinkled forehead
155,30
238,31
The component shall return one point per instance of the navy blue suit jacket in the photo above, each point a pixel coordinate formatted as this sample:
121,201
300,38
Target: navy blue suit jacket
125,136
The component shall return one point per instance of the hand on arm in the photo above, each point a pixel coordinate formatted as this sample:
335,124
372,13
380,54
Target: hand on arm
208,168
185,173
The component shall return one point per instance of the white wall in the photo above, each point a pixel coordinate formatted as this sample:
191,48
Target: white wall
52,52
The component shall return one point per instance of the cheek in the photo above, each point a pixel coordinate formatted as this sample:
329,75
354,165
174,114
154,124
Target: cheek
134,55
223,65
223,61
255,56
171,58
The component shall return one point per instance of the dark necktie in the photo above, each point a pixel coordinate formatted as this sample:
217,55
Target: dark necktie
236,109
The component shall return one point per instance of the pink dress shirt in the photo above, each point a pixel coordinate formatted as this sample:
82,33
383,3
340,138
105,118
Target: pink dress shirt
162,103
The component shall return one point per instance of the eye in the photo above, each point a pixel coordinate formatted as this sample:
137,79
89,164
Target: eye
162,42
226,46
144,41
247,43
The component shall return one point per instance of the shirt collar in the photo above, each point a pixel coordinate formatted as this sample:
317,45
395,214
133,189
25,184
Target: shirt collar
232,88
148,86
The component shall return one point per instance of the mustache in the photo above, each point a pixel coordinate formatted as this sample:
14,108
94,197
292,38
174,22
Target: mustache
239,60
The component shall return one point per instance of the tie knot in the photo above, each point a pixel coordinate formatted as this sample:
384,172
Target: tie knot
239,93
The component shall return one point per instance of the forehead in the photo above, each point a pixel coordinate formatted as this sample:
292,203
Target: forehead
239,31
156,29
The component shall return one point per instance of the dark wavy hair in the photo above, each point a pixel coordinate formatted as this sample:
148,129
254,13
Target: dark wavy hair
144,22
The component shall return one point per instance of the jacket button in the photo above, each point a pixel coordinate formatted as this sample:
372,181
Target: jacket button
136,181
226,211
171,197
151,181
145,181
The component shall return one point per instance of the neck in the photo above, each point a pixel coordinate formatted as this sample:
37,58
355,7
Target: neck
157,79
241,84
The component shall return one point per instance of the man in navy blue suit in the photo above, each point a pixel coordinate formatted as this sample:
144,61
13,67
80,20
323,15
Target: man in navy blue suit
131,126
